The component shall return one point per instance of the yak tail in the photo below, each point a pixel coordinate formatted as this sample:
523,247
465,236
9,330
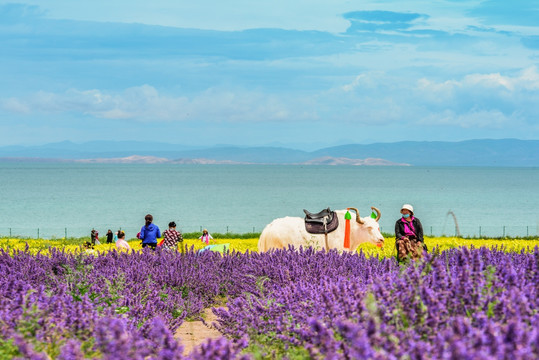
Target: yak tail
267,239
262,241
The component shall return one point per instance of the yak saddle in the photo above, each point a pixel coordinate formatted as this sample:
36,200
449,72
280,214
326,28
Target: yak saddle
323,222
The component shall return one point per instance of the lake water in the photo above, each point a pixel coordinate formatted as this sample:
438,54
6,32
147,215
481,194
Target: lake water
50,197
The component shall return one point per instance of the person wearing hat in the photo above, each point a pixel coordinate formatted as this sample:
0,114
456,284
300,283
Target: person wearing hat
206,237
408,233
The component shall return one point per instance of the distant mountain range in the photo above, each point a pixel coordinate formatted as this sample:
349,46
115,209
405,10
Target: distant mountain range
137,159
504,152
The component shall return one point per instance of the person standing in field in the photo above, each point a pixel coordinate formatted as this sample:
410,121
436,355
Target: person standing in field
94,237
206,237
121,243
172,237
409,235
149,233
110,235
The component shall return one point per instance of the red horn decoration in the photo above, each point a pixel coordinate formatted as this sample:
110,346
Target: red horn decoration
347,218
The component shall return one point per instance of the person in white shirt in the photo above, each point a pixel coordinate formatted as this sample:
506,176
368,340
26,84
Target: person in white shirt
206,237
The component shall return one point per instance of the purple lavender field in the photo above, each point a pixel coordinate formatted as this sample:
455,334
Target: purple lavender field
457,304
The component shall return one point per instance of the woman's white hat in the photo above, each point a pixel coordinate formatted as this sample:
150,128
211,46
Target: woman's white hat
408,207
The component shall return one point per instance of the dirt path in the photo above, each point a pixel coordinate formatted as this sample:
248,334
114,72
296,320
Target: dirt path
193,333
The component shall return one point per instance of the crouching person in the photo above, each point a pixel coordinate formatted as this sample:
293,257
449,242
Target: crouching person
409,235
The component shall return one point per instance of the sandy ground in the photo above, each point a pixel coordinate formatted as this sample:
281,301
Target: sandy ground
193,333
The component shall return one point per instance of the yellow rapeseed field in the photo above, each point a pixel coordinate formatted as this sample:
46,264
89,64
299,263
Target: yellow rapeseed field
445,243
243,245
36,245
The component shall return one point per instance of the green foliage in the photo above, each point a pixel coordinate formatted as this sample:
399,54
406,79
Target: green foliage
260,281
115,287
176,313
76,278
8,350
121,310
489,290
87,348
184,289
28,327
268,346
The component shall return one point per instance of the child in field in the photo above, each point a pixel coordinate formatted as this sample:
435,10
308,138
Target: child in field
206,237
121,243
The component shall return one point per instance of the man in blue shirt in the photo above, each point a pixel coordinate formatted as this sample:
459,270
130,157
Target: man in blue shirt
149,233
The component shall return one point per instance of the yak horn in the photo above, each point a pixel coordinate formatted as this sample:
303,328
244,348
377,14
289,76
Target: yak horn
378,214
358,219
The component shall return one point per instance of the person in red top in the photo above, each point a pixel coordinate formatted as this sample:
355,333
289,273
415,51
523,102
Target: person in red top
171,237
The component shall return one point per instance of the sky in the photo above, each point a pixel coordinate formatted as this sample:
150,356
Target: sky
298,73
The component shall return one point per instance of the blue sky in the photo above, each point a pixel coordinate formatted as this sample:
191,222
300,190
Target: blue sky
309,73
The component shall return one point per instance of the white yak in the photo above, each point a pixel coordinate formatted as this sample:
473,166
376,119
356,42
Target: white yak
282,232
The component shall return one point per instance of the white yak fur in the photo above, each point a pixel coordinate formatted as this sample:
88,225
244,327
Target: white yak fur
282,232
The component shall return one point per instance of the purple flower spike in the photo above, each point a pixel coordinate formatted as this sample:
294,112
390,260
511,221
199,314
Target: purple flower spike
219,349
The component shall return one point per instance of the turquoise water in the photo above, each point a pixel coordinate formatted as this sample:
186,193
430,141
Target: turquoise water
54,196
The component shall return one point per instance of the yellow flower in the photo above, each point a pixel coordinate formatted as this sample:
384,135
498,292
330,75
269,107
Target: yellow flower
12,245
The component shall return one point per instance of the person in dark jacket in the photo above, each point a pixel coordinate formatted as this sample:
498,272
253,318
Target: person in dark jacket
110,236
149,233
409,234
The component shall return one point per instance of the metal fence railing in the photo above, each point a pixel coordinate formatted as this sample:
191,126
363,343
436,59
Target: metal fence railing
496,231
131,232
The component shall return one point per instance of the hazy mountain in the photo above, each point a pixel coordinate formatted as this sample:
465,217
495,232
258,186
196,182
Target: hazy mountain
329,160
137,159
505,152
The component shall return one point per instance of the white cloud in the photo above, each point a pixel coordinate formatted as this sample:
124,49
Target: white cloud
488,80
481,101
528,79
473,118
14,105
353,84
145,103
